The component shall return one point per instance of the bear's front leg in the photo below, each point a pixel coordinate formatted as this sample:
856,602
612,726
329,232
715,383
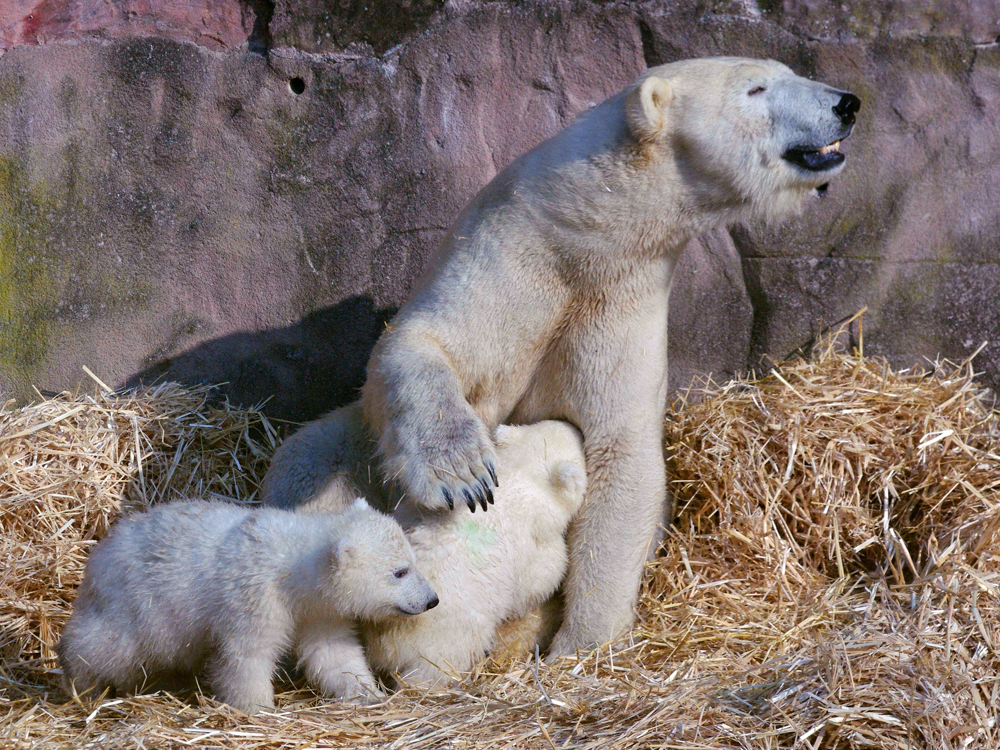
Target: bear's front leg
611,537
334,663
431,440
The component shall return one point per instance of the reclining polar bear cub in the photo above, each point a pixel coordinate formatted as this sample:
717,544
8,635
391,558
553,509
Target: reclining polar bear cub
194,584
487,568
549,300
490,567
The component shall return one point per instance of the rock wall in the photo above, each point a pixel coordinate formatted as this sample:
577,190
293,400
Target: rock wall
244,192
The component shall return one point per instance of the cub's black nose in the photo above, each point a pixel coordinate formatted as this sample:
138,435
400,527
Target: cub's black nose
846,108
432,603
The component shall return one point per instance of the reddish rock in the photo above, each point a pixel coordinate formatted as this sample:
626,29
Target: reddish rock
215,24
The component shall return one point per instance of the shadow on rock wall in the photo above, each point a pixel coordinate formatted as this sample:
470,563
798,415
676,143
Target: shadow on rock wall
304,369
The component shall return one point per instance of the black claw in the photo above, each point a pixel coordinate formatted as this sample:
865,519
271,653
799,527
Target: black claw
448,498
493,473
470,500
487,493
480,495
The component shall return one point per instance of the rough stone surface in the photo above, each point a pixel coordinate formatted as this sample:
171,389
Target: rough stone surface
253,210
975,20
363,25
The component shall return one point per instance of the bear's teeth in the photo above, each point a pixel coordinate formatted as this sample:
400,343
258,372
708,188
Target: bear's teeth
835,146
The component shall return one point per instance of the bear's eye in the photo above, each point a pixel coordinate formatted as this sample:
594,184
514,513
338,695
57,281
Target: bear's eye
401,572
756,90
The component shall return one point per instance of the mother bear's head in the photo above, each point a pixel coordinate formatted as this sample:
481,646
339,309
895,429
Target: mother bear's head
746,135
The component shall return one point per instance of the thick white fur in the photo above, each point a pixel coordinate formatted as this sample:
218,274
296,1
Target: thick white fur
549,298
196,584
325,465
487,567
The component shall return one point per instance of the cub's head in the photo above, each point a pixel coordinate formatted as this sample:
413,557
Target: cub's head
748,136
549,457
373,574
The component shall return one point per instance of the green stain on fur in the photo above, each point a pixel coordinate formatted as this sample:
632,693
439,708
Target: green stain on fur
479,540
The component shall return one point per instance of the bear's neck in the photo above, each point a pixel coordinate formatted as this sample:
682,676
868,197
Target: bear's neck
304,577
637,207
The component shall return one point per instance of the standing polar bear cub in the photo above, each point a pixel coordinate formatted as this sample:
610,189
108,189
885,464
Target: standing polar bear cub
489,567
196,584
549,299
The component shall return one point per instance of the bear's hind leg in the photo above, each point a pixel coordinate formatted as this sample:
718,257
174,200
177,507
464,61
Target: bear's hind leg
242,677
319,466
96,655
431,440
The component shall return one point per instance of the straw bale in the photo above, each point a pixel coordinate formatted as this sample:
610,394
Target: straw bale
858,466
832,580
70,466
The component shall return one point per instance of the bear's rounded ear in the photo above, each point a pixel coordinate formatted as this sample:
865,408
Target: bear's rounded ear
359,503
646,108
502,434
571,479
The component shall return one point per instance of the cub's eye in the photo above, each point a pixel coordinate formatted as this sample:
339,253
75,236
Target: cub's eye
401,572
756,90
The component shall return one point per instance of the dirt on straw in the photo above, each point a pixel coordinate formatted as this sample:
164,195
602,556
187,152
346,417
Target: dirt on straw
831,580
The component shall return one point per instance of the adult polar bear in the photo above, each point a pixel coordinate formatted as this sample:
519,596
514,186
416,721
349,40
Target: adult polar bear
549,298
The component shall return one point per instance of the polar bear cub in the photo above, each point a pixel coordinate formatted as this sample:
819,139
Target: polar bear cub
192,585
488,567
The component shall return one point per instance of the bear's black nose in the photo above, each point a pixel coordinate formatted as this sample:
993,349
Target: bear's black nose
432,603
846,108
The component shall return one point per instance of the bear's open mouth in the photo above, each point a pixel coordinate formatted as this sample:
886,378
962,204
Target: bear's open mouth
815,160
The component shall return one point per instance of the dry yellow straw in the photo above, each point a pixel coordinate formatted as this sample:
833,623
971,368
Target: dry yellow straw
831,582
68,468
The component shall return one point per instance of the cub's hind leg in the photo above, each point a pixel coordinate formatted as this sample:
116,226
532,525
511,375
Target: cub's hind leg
326,465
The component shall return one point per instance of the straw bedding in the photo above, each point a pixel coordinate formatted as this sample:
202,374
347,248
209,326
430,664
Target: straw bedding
832,580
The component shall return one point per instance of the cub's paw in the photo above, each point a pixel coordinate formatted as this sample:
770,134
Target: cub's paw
448,467
364,696
345,684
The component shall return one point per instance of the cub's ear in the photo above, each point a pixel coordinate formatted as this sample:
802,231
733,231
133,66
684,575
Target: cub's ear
341,551
646,108
359,503
571,480
502,434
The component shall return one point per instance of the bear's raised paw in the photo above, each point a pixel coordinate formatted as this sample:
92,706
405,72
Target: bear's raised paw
449,469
